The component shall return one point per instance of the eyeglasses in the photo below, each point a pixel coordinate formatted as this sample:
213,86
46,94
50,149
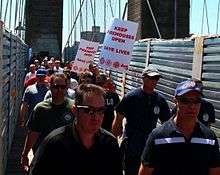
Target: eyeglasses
57,86
190,100
92,110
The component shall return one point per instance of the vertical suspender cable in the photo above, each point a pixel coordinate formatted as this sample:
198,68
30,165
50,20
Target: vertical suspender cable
95,10
86,15
203,11
22,12
155,22
93,15
80,18
6,10
16,12
10,10
1,3
190,15
74,20
207,20
175,18
104,16
69,15
119,9
217,18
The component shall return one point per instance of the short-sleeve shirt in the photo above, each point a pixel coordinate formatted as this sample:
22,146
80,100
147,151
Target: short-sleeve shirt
63,153
111,101
206,113
33,95
47,116
169,153
142,111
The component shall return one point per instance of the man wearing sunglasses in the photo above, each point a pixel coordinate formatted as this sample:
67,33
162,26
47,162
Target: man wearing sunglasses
141,107
83,147
47,116
207,111
182,145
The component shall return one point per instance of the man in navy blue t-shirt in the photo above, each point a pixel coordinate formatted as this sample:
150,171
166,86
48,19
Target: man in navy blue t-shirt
141,107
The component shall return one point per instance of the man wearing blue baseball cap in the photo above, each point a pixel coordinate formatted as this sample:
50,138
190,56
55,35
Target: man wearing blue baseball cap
182,145
207,111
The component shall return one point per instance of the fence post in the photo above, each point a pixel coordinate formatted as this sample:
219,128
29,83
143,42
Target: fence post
123,84
198,58
1,95
147,60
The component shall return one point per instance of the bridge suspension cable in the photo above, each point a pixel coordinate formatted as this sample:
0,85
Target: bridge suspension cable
74,23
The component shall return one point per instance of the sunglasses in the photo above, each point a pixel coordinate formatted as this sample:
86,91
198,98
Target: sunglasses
153,77
92,110
57,86
189,100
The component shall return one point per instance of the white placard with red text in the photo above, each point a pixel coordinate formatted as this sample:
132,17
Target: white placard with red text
85,55
118,45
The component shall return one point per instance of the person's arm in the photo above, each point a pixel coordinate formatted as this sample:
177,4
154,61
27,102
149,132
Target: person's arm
23,112
144,170
117,125
214,171
30,140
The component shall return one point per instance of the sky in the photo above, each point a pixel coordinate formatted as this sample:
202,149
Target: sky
196,12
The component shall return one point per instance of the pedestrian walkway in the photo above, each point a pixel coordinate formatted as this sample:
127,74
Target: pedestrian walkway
13,163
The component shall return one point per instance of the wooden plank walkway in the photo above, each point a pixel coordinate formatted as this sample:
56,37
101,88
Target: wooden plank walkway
13,163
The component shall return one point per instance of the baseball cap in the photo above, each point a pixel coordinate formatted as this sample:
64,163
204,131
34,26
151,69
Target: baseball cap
187,86
41,72
150,71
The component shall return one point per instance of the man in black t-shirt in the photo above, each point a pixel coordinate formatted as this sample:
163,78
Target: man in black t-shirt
182,145
111,100
47,116
81,148
141,107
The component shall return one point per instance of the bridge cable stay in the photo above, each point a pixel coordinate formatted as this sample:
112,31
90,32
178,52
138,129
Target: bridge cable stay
125,9
110,4
217,18
154,19
74,23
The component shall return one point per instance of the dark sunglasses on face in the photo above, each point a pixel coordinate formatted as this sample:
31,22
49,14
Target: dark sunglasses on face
153,77
92,110
57,86
189,100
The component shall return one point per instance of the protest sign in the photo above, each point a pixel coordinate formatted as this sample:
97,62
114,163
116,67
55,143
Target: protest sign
85,55
118,45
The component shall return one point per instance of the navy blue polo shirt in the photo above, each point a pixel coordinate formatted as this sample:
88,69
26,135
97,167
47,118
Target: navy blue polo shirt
169,153
142,111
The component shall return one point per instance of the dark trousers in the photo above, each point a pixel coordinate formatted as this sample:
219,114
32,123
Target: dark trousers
132,165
